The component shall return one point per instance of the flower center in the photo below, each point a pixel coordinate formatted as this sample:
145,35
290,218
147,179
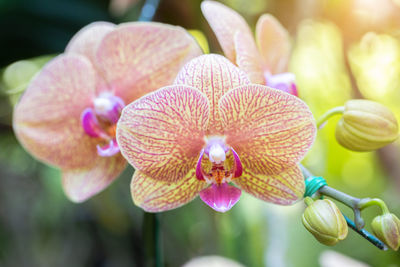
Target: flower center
101,122
218,164
283,81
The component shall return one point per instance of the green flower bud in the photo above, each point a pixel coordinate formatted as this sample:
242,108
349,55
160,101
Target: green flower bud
366,125
387,228
324,220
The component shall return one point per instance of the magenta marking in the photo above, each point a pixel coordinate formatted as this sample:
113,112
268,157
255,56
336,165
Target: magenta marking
199,171
238,164
109,149
90,123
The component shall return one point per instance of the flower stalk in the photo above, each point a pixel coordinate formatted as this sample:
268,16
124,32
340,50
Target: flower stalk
152,240
356,204
368,202
330,113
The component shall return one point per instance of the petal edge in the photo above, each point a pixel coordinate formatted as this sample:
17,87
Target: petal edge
155,196
162,133
269,129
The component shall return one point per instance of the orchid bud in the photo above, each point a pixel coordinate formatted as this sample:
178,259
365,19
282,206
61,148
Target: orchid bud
387,228
366,125
324,220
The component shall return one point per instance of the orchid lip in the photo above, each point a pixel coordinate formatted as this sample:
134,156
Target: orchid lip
199,172
221,197
109,149
90,124
238,164
100,122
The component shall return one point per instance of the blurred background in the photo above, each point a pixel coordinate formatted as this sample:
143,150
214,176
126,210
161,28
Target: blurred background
342,49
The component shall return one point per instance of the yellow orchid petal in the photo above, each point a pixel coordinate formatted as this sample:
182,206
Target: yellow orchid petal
274,44
137,58
82,183
283,188
47,118
248,58
213,75
162,133
269,129
224,21
154,195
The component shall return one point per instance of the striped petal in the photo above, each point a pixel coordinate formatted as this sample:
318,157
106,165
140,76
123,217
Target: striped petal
47,118
274,44
248,58
283,188
269,129
162,133
82,183
137,58
154,196
86,40
224,21
213,75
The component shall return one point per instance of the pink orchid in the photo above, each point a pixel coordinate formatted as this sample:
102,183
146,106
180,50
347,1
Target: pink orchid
266,60
211,128
68,114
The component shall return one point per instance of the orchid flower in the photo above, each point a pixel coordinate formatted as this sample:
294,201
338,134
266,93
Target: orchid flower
68,114
266,60
210,129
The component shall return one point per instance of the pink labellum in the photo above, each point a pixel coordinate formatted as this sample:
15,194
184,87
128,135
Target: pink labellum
199,172
220,197
90,123
238,164
282,81
108,150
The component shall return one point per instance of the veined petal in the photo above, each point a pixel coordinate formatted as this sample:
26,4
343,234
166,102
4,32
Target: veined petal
154,195
213,75
47,119
137,58
274,44
82,183
248,58
162,133
224,21
283,188
269,129
86,40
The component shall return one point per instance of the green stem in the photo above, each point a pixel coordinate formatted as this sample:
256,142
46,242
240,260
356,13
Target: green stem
152,240
328,114
368,202
346,199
